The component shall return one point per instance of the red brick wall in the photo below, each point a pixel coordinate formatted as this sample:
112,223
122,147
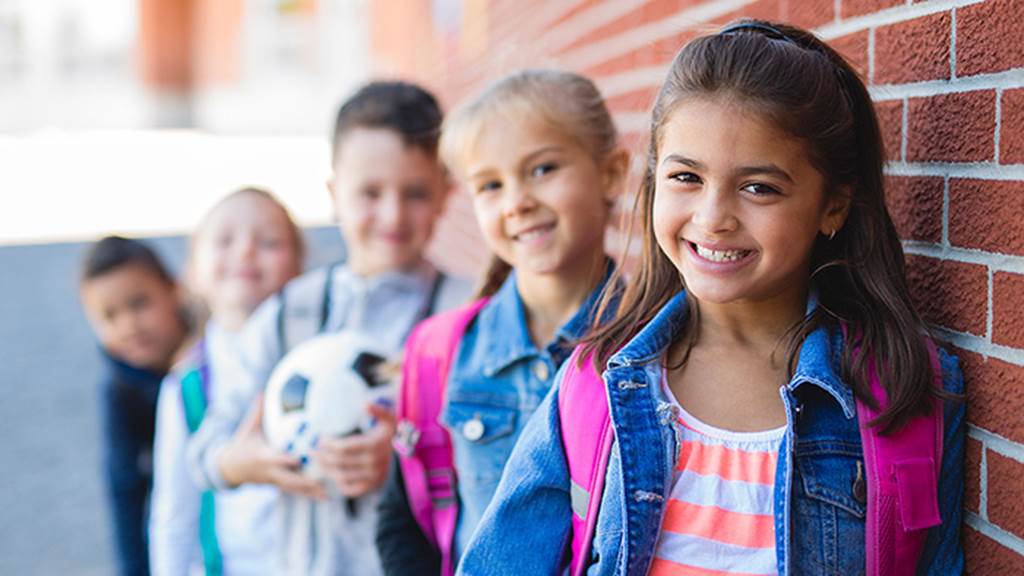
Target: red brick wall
948,77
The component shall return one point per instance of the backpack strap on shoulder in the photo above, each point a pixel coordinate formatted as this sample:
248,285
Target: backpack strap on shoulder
195,395
423,445
902,480
587,438
305,306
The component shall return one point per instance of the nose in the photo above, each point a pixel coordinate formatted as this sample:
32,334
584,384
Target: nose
392,209
714,212
517,199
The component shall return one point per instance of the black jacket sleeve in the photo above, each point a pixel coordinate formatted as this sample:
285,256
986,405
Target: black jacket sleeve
404,549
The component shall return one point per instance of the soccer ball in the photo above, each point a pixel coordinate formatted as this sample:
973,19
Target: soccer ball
320,389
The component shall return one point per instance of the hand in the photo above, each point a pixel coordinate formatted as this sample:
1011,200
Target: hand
247,458
359,464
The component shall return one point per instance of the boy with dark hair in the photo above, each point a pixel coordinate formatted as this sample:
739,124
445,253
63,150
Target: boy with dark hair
134,307
388,189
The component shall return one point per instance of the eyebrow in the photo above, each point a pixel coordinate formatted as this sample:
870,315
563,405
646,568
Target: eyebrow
769,168
526,160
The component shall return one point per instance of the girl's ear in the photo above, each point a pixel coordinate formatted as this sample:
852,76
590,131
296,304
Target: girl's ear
616,170
837,208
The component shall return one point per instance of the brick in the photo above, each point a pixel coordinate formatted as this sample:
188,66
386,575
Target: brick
571,13
913,51
986,557
808,13
1011,133
995,394
1005,492
986,214
854,48
948,293
1008,309
772,10
972,475
988,37
850,8
635,101
658,53
915,204
645,13
890,120
934,136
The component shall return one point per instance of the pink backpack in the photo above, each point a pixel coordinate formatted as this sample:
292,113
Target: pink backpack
902,470
423,445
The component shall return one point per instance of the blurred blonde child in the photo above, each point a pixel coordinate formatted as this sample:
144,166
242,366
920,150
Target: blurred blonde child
244,250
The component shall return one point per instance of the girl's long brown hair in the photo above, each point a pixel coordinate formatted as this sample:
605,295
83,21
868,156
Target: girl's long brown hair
810,92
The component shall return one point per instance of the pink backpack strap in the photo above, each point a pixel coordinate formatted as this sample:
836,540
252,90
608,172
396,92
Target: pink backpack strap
587,438
423,445
902,481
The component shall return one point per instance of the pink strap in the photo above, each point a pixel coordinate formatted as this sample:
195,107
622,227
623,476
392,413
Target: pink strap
423,445
587,436
902,481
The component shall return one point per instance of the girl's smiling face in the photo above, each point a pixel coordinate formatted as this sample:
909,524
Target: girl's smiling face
541,199
738,204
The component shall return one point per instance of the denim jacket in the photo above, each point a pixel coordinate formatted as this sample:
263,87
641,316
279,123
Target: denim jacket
497,381
819,518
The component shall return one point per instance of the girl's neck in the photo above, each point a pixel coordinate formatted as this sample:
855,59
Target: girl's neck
761,324
550,300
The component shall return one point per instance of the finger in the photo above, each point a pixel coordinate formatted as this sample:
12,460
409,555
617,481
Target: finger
384,416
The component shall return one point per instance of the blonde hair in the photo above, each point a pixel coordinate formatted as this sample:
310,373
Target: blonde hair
298,244
562,100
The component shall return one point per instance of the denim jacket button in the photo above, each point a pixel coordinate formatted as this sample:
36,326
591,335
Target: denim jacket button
541,370
473,430
860,489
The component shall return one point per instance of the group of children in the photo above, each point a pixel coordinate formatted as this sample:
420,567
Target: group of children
757,396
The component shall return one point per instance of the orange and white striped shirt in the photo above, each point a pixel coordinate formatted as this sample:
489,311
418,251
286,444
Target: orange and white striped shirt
718,519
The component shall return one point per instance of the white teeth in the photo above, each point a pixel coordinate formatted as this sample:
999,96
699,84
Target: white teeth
720,255
531,234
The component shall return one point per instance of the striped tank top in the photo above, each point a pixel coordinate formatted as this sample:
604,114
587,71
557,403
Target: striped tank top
718,518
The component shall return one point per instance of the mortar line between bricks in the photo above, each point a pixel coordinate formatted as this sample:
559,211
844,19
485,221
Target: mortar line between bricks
994,532
904,127
977,344
1013,78
982,477
945,212
871,56
977,170
999,262
952,44
988,317
999,120
889,16
996,443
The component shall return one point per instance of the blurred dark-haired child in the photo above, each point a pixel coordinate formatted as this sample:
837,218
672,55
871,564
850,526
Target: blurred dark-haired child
135,309
388,189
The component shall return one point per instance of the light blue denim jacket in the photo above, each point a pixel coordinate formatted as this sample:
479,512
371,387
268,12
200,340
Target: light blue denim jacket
497,381
819,521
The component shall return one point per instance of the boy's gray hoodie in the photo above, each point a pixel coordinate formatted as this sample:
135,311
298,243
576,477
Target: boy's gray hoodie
320,537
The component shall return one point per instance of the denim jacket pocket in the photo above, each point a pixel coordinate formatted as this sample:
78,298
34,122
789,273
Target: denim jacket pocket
830,506
479,417
833,473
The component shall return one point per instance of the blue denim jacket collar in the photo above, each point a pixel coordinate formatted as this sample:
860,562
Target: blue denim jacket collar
503,328
817,365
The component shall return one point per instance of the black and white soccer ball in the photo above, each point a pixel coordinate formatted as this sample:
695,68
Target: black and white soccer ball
320,389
